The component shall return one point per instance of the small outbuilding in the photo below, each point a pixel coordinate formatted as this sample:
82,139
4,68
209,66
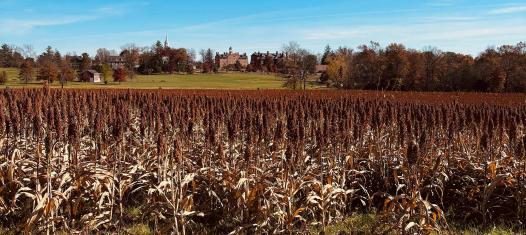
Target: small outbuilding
320,68
91,76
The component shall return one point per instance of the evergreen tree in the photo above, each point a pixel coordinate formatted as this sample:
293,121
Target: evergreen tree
326,54
86,62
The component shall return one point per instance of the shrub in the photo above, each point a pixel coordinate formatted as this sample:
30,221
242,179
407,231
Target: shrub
3,77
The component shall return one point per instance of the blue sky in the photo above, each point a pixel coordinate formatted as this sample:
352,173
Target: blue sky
76,26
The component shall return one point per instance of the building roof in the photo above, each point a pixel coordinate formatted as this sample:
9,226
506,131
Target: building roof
321,67
268,54
226,55
92,71
74,58
231,53
115,59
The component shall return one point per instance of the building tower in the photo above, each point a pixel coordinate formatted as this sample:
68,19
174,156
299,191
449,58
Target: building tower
230,51
166,41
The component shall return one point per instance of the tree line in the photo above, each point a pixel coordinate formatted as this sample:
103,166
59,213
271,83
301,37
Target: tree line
372,67
368,67
52,66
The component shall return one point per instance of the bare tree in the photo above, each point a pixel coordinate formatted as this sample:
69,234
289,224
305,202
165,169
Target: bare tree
293,51
66,72
102,55
300,63
28,51
191,55
26,70
207,59
131,53
432,57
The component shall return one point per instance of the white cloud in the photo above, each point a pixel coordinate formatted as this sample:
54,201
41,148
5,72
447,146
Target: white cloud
463,36
26,25
342,33
16,26
423,32
442,19
119,9
109,10
442,3
509,10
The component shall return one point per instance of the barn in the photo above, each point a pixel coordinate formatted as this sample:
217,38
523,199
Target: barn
91,76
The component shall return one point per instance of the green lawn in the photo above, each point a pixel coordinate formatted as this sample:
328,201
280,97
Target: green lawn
369,224
12,73
196,81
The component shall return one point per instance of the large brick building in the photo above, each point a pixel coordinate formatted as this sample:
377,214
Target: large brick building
116,61
268,62
228,60
74,61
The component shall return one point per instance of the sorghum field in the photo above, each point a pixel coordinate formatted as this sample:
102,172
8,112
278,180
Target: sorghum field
244,162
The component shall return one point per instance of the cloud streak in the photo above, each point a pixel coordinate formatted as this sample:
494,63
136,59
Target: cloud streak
442,3
469,36
508,10
16,26
423,32
24,26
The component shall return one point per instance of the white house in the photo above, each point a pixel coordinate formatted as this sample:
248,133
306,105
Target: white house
91,76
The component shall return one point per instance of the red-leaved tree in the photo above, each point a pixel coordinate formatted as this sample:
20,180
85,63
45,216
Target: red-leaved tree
120,75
